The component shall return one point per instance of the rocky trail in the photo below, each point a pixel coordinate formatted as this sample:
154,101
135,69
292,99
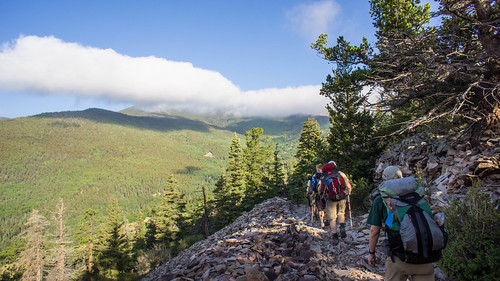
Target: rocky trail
275,241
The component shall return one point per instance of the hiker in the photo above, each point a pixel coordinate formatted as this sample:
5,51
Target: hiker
335,187
316,204
401,261
310,198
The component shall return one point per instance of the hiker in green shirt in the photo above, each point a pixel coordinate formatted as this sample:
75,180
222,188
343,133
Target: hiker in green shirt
395,269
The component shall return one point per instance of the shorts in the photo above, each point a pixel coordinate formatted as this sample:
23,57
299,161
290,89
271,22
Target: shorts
335,208
398,270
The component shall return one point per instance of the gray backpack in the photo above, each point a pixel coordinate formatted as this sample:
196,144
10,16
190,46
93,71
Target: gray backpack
416,237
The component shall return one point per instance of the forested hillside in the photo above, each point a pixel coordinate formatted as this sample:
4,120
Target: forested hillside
88,157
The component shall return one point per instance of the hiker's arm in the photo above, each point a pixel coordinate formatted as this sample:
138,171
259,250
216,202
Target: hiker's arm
347,183
373,239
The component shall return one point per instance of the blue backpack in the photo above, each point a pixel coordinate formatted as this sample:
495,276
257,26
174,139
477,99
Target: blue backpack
316,180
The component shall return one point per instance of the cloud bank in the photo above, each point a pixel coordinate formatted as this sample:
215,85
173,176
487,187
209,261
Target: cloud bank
51,66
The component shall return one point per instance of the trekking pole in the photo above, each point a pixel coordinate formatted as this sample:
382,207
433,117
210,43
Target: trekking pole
350,214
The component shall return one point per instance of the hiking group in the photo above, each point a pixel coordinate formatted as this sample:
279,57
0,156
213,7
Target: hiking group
327,191
415,236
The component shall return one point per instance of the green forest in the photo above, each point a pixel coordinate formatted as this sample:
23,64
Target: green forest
108,196
90,158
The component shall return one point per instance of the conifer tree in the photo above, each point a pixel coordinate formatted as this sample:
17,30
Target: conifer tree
352,138
87,238
222,202
230,187
167,215
235,173
310,151
352,142
258,156
150,235
446,74
32,258
115,255
276,180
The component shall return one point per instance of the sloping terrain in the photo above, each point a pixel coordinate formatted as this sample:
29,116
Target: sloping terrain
277,241
88,157
448,164
274,241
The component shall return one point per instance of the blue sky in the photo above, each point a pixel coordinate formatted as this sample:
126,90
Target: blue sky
244,57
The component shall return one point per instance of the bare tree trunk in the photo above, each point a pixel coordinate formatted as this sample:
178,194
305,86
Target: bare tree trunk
33,255
205,216
487,36
61,262
60,271
489,122
91,257
39,258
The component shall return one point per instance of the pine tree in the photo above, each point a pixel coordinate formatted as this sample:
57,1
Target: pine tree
429,75
115,255
32,258
167,215
352,142
310,152
352,138
235,173
150,235
224,209
258,157
276,180
87,238
230,187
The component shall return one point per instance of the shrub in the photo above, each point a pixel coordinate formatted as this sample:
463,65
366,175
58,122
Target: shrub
361,190
473,251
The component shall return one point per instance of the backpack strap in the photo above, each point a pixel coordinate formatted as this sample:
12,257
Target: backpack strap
390,219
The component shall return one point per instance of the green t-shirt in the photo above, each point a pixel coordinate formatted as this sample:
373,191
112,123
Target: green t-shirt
378,216
378,212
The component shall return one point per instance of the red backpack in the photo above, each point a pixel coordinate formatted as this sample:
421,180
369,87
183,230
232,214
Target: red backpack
333,183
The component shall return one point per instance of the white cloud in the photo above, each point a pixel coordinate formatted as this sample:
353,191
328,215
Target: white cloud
311,20
51,66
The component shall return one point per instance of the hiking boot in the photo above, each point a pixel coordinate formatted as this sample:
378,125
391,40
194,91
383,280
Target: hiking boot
342,230
335,239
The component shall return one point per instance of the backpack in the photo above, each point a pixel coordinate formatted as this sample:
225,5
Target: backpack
413,234
333,183
315,180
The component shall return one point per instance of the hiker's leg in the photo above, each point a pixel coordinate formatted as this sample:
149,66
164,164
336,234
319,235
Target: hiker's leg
321,210
331,208
341,211
326,218
322,218
310,212
394,270
341,215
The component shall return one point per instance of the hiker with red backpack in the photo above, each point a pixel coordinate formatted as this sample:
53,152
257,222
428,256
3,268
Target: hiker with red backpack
335,187
414,239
